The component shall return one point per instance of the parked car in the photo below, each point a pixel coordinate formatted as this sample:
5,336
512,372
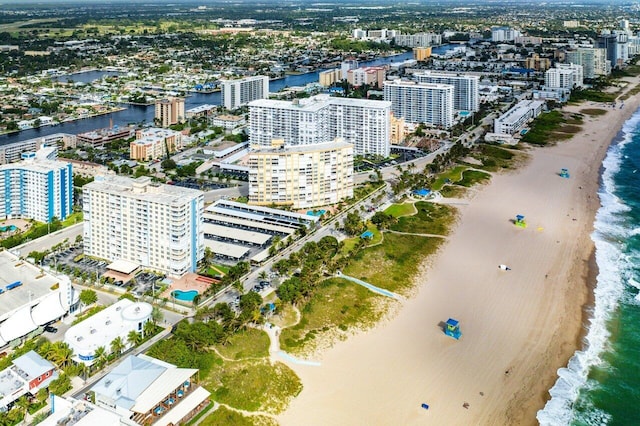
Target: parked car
50,329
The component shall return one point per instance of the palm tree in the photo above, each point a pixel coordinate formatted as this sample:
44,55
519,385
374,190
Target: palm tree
60,354
100,355
262,275
117,345
148,328
134,338
22,404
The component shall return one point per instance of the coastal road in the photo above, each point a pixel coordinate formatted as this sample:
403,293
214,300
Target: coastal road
47,241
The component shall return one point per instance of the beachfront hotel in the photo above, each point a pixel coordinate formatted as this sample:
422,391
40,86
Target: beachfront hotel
154,143
169,111
593,60
515,119
320,119
421,102
36,188
465,88
155,226
239,92
302,176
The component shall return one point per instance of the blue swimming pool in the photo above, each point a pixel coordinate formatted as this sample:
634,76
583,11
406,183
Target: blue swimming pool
186,296
464,113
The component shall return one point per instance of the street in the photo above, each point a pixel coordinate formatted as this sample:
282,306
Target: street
46,242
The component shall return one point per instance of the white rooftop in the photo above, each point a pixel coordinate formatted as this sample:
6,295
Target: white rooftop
248,223
236,234
226,249
142,189
123,266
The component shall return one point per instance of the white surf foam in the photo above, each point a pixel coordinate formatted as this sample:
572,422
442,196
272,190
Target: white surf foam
608,237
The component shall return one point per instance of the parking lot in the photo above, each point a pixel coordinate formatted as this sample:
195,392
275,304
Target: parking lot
143,282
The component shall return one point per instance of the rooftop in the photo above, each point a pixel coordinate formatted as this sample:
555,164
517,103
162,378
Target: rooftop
142,189
35,283
337,144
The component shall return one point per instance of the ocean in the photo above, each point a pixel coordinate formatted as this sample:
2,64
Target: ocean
601,383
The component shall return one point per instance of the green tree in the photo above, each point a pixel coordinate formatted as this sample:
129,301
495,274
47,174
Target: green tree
100,355
61,385
353,224
88,297
134,338
148,328
117,346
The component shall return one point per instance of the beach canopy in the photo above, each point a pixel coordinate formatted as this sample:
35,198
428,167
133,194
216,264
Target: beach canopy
366,234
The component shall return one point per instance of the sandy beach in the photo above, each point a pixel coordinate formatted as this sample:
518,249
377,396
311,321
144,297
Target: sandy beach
518,326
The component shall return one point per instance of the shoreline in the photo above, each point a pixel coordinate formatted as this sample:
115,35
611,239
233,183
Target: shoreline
518,328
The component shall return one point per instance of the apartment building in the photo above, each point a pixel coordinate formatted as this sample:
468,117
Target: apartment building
564,76
594,61
302,176
319,119
372,76
421,53
239,92
418,39
169,111
329,77
430,103
515,119
535,62
465,88
36,188
504,34
154,225
154,143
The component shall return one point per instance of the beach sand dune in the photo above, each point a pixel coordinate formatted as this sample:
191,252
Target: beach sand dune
518,326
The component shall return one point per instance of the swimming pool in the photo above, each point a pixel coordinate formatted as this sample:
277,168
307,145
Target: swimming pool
186,296
464,113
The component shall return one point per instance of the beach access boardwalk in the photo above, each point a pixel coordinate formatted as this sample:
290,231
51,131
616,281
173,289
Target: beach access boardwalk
371,287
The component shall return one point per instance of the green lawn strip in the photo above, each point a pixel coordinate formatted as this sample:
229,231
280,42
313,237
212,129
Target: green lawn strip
223,268
393,264
201,414
593,112
431,218
253,385
399,210
472,177
453,175
336,303
249,343
349,244
226,417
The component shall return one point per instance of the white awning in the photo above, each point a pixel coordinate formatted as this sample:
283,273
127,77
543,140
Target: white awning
185,406
159,390
123,266
2,342
17,325
49,309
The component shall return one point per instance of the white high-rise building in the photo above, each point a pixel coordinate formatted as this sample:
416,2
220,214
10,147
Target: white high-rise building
564,76
421,102
504,34
418,39
154,225
302,176
36,188
239,92
465,88
363,123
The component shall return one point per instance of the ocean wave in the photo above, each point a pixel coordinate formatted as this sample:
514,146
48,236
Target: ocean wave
609,236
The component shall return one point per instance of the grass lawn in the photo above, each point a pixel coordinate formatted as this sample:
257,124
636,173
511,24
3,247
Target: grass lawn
453,191
255,385
398,210
453,175
286,317
494,158
431,219
220,268
337,303
225,417
393,264
249,343
472,177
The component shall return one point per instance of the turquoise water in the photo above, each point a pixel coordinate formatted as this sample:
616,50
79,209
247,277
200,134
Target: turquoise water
464,113
601,384
186,296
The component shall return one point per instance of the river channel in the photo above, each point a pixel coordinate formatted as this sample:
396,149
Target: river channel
139,114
